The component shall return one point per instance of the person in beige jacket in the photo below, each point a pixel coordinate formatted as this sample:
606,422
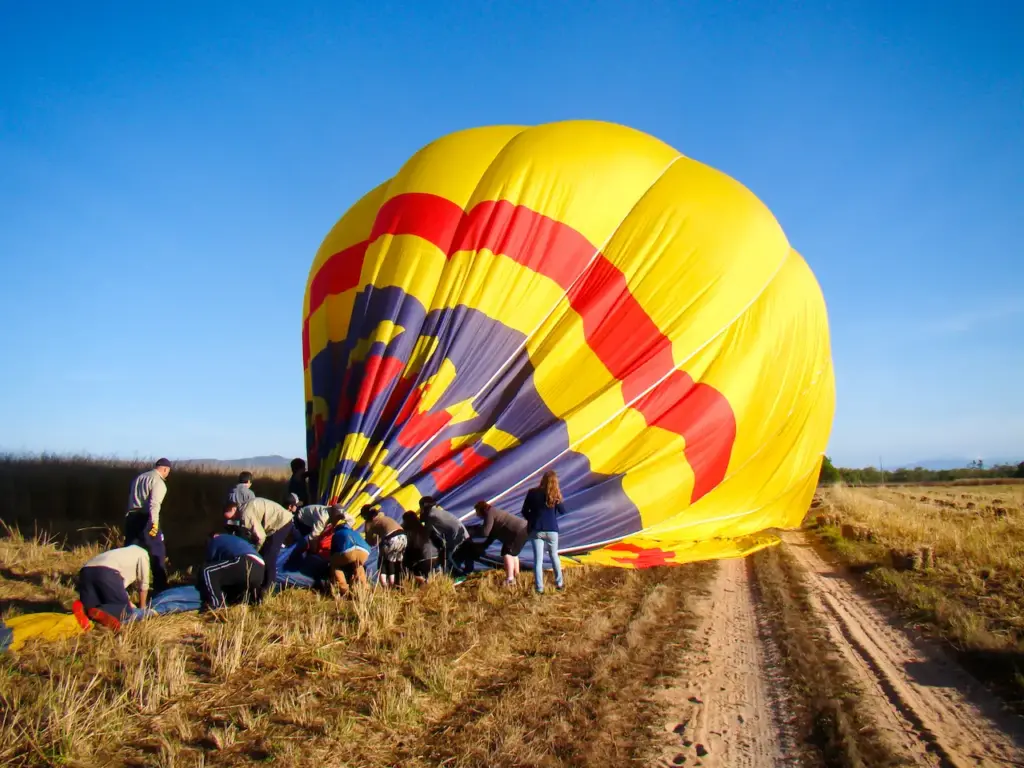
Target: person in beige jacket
270,524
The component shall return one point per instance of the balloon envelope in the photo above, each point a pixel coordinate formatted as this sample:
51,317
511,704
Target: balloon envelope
575,296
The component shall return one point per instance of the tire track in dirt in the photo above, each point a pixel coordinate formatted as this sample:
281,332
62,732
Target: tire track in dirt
728,708
935,712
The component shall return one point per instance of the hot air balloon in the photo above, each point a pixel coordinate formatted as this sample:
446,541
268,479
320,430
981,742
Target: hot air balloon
576,296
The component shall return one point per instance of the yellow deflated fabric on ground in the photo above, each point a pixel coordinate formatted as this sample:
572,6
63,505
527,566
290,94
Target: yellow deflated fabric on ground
18,630
577,297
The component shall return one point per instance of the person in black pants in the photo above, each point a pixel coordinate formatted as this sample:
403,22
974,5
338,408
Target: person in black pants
103,587
233,571
142,519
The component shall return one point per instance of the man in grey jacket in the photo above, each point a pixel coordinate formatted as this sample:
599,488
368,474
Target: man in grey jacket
242,492
450,535
142,520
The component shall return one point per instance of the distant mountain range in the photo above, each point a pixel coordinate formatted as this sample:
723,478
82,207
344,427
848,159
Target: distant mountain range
253,463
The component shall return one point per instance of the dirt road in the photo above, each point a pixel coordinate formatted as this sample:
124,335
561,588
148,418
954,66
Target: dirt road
728,709
934,712
731,707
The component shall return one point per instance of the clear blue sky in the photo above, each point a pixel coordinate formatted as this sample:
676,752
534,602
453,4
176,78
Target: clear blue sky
167,175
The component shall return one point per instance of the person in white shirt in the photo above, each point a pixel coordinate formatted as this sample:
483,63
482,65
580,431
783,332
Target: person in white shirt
103,584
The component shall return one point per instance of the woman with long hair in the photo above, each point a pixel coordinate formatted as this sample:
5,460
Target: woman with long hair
541,510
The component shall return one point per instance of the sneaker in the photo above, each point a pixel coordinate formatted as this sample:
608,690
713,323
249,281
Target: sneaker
560,587
79,612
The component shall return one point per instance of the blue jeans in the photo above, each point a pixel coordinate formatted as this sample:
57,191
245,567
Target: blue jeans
541,540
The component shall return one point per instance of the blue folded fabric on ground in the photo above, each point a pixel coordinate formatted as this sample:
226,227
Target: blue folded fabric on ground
176,600
296,568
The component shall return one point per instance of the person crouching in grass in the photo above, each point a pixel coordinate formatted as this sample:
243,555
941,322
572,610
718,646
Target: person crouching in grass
349,553
103,586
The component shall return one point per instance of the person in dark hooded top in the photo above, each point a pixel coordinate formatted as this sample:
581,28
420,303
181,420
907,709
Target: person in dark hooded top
422,557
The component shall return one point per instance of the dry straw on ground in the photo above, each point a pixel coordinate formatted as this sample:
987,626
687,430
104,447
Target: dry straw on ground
472,675
966,581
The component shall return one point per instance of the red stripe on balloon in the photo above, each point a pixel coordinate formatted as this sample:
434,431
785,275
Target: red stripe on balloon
378,375
702,415
538,242
421,427
616,326
459,468
645,557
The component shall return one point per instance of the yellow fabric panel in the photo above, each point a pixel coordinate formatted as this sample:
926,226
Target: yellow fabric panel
451,166
42,626
782,407
500,288
696,250
551,169
435,386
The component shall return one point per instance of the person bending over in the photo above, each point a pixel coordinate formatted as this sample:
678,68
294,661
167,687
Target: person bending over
310,520
270,524
506,528
103,584
232,569
381,530
422,557
448,532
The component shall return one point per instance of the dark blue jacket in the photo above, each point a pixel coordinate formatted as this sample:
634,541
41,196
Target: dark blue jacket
227,546
538,515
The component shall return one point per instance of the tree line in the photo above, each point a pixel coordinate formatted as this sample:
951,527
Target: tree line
976,470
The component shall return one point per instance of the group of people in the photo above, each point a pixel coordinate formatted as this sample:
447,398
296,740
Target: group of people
241,560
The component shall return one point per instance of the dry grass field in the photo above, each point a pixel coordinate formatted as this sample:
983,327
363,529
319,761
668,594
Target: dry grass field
476,674
773,660
967,587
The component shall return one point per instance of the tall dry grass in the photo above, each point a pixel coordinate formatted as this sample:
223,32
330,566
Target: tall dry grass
78,500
